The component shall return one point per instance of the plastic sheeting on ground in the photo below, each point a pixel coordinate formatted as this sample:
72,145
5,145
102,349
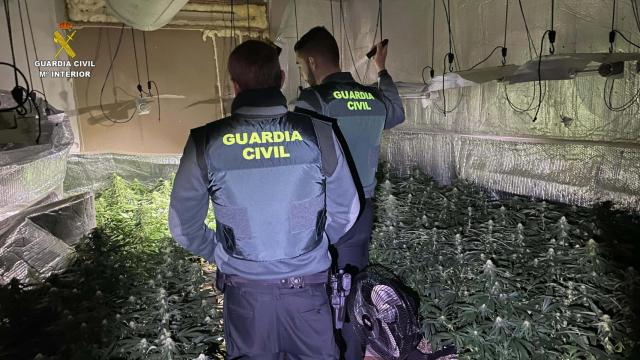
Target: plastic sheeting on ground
39,241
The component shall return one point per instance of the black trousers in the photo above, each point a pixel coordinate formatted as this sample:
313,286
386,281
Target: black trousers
352,254
267,322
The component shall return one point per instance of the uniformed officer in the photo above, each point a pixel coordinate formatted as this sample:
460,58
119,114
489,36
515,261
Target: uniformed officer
281,191
362,113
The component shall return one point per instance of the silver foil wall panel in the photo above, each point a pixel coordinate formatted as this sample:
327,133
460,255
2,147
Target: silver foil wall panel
31,174
39,240
93,172
574,173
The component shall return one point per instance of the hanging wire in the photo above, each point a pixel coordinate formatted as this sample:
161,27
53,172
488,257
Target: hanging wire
295,14
552,32
24,40
19,93
105,83
535,117
35,49
433,41
10,32
609,102
504,44
146,62
233,24
135,56
333,32
149,81
529,38
248,20
380,17
375,35
348,43
612,33
531,45
636,13
269,16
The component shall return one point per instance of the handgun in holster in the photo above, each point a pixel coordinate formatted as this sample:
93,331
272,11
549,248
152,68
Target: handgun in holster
340,287
220,281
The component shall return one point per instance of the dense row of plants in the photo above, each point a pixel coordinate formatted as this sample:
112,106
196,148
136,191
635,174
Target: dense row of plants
131,293
509,279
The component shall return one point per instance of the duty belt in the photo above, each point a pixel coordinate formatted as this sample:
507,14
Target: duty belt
293,282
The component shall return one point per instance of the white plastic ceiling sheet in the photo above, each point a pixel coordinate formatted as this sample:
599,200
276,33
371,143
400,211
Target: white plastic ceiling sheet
577,151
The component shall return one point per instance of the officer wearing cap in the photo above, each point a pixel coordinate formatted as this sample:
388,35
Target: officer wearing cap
362,113
281,191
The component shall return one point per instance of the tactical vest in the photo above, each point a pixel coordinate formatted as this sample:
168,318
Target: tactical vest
267,182
361,115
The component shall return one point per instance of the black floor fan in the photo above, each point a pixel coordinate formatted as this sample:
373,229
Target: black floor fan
386,317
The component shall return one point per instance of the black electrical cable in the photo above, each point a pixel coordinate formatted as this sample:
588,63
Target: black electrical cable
35,49
626,39
609,104
348,43
24,41
517,108
552,32
248,20
612,33
526,27
380,17
10,32
24,78
433,42
444,109
19,93
535,117
433,36
295,15
504,44
269,16
146,62
485,59
158,94
333,32
636,13
135,56
375,35
233,24
450,55
105,82
31,95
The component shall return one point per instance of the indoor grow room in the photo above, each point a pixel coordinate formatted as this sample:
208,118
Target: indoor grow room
508,200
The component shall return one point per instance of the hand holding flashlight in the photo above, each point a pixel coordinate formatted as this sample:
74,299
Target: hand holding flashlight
380,53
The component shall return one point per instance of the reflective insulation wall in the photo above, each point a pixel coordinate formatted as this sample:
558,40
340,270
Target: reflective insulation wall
577,151
31,174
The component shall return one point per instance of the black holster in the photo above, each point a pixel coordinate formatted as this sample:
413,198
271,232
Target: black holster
220,281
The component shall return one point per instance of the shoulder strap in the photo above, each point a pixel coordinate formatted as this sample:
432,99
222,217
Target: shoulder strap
199,136
323,127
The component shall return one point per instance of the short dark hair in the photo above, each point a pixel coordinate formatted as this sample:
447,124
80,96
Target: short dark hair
254,64
318,42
